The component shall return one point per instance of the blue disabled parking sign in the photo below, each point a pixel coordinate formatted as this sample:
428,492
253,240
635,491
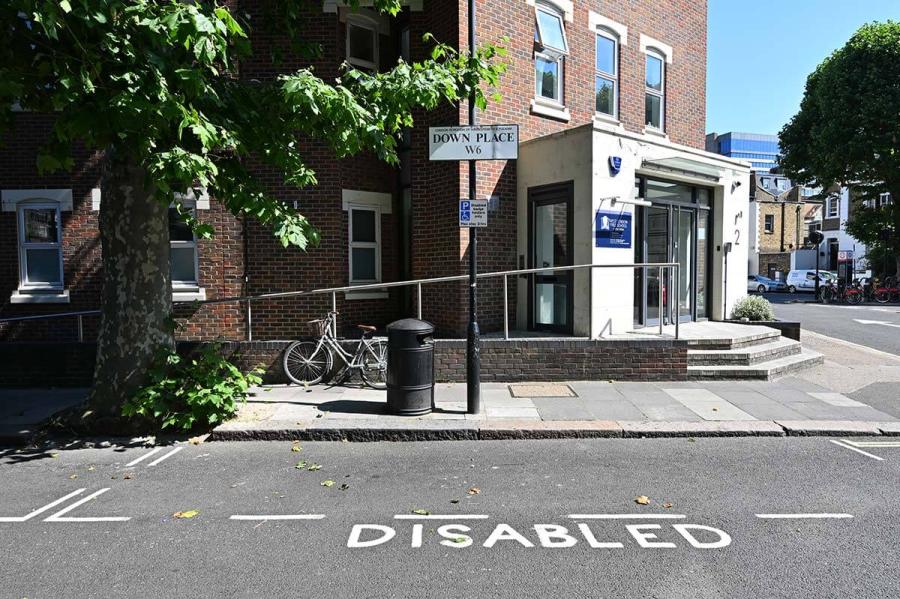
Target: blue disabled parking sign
473,213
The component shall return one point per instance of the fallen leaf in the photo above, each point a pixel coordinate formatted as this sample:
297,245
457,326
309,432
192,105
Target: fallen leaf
715,409
301,465
454,501
195,440
459,539
642,500
54,455
314,467
327,483
127,476
91,468
73,477
474,491
344,487
421,512
692,440
296,447
667,505
185,515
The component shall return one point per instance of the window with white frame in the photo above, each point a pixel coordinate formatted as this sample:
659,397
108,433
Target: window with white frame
832,207
183,260
362,42
884,199
40,247
606,77
655,91
769,223
551,47
365,244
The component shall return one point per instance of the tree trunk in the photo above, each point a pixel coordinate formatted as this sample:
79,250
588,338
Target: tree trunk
137,292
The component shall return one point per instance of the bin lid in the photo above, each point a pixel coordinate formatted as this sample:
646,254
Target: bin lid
411,325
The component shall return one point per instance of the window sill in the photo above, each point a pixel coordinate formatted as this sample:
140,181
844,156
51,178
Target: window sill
656,133
558,112
43,296
191,294
606,121
366,294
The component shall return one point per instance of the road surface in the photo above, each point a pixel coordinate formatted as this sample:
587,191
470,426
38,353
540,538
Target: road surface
750,517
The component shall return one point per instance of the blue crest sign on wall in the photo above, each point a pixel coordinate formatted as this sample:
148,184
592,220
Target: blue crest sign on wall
612,229
615,164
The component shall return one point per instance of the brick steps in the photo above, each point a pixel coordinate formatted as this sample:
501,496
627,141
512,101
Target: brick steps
764,371
745,356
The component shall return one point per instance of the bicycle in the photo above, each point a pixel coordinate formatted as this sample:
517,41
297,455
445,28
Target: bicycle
888,291
308,362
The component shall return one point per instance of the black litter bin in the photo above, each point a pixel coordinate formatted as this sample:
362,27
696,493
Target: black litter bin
410,367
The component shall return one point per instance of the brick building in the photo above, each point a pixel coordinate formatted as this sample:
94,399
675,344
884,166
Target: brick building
610,103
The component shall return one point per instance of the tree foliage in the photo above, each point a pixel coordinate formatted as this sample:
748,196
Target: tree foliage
156,82
847,131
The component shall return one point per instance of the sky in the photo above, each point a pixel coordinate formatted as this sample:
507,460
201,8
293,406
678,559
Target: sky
760,53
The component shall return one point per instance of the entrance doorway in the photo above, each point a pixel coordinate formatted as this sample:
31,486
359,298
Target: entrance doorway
550,241
674,229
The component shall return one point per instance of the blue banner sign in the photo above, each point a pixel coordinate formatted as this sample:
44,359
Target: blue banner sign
612,229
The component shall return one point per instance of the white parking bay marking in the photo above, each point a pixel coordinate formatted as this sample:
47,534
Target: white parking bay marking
41,510
278,517
58,516
872,443
851,448
802,516
883,323
626,516
143,457
168,455
441,517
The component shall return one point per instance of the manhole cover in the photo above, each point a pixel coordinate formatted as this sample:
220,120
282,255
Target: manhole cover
541,391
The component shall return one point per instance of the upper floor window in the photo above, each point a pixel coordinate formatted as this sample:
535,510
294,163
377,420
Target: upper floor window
362,42
884,199
654,97
770,223
183,262
606,79
832,207
551,48
40,250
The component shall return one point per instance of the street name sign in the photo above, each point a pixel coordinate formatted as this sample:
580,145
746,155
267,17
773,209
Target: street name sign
479,142
473,213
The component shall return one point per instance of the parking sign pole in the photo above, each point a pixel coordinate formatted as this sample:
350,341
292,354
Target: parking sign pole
473,336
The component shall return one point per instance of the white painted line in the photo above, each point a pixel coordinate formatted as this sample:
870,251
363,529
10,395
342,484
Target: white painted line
168,455
441,517
626,516
802,516
872,443
57,517
143,457
279,517
43,509
851,448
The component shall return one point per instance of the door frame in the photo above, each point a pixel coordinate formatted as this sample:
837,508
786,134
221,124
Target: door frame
554,193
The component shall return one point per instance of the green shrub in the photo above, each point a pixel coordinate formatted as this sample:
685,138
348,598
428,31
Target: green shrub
185,393
753,307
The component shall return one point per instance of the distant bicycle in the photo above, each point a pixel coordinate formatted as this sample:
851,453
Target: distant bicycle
308,362
887,291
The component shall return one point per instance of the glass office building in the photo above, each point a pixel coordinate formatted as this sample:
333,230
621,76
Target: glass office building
760,150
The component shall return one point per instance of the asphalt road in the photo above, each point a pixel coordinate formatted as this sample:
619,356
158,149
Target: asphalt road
525,489
873,325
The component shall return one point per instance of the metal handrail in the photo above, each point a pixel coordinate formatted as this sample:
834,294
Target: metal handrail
672,268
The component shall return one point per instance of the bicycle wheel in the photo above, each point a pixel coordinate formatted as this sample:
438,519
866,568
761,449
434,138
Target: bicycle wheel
854,297
374,364
882,295
307,362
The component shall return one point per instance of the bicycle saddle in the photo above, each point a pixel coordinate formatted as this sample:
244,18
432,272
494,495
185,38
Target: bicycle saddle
366,327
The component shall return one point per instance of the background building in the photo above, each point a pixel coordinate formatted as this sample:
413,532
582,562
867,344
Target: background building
758,149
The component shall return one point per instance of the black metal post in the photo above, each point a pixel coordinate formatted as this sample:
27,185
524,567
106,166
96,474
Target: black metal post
473,336
817,273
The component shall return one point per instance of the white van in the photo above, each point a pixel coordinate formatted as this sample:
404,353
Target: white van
805,280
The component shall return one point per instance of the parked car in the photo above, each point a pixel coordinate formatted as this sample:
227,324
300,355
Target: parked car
763,284
805,280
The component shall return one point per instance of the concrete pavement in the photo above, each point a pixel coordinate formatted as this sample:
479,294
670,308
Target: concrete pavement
737,518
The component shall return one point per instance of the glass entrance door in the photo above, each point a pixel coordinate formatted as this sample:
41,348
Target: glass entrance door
657,250
552,245
683,250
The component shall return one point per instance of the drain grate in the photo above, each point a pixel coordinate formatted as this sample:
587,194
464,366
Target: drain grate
541,391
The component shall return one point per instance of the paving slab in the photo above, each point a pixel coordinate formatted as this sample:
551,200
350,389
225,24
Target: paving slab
753,428
562,408
614,410
837,399
828,427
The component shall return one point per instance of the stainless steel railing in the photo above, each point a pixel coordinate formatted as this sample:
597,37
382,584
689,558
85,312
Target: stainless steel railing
671,270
